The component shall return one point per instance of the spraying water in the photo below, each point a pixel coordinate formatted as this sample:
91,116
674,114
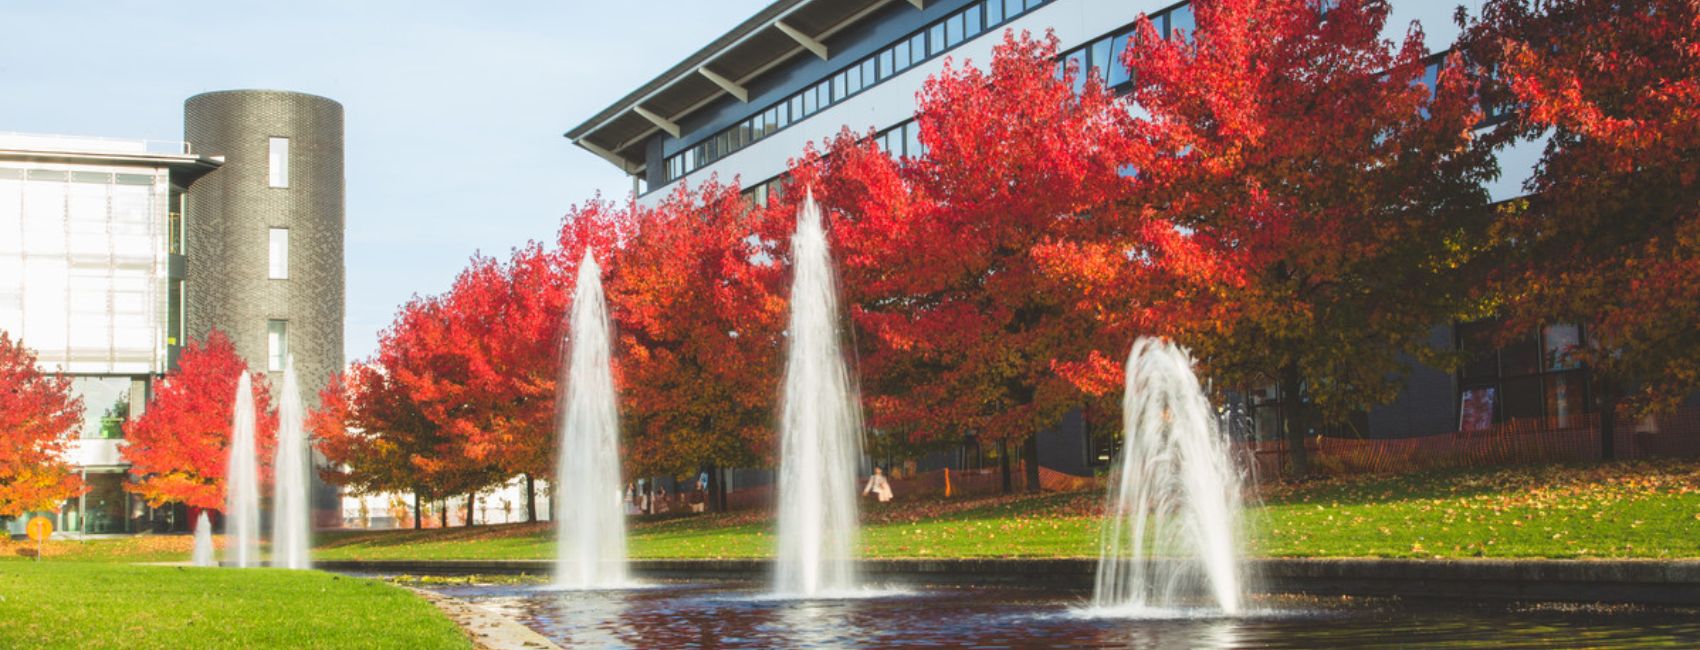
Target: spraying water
590,526
242,483
203,555
1171,534
820,430
291,516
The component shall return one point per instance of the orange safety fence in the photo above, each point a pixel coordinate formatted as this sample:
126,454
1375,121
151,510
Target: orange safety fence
1527,442
1523,442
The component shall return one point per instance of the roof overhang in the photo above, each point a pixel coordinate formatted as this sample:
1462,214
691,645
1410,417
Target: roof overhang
184,168
782,30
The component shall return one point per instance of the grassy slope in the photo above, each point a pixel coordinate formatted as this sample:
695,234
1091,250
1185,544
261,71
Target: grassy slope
60,604
1608,511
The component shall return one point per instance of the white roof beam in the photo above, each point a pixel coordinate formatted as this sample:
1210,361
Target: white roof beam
665,124
802,39
607,155
742,93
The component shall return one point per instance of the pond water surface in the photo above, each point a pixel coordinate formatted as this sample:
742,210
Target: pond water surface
703,615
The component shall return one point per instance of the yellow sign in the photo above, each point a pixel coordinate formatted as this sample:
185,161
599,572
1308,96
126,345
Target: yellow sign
39,529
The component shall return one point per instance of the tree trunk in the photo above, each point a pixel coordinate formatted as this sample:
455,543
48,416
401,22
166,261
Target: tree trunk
417,522
471,500
711,499
530,499
443,513
1031,453
1005,486
722,488
1293,421
1608,421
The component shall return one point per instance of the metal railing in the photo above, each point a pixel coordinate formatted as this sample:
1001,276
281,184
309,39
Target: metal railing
89,143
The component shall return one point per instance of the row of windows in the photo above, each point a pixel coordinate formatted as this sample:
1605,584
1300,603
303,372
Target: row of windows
1102,58
930,41
898,141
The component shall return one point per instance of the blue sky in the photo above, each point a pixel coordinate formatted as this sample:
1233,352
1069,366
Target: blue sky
454,111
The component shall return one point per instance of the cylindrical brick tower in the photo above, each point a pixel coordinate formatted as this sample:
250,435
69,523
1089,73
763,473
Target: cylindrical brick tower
263,237
264,233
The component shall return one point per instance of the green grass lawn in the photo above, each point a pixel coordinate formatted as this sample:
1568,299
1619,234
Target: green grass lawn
69,604
1622,510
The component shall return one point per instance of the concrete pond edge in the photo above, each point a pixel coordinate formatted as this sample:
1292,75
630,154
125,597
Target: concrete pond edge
1641,582
488,630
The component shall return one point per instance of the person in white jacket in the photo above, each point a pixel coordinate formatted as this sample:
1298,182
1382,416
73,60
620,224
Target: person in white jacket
878,485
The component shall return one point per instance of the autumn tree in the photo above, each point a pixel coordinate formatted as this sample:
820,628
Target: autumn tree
697,318
178,448
1609,234
959,324
368,431
1309,201
38,417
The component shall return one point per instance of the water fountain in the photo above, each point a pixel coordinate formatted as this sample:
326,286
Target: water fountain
203,555
820,430
1171,533
242,483
590,526
291,513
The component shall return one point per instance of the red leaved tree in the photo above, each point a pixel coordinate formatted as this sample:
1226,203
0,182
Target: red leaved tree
961,326
1307,205
38,417
1609,236
179,447
697,323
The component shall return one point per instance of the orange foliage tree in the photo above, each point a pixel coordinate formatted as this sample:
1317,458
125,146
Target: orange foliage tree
179,447
1609,235
697,323
38,416
1308,201
960,325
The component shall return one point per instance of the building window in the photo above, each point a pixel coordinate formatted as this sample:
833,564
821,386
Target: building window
1534,381
277,344
279,247
279,162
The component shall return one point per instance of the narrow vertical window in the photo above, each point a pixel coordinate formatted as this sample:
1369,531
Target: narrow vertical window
279,247
279,160
277,344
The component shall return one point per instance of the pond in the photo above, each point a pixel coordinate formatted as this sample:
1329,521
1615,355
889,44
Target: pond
734,615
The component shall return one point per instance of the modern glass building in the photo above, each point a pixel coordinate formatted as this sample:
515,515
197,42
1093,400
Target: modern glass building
115,253
799,71
91,278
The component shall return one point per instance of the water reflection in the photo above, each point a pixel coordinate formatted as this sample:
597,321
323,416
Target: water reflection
733,616
593,619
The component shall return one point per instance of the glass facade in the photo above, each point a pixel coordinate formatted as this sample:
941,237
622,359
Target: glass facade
92,244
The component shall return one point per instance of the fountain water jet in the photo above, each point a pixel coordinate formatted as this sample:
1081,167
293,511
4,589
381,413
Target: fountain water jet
590,526
242,483
820,430
1173,518
203,555
291,513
